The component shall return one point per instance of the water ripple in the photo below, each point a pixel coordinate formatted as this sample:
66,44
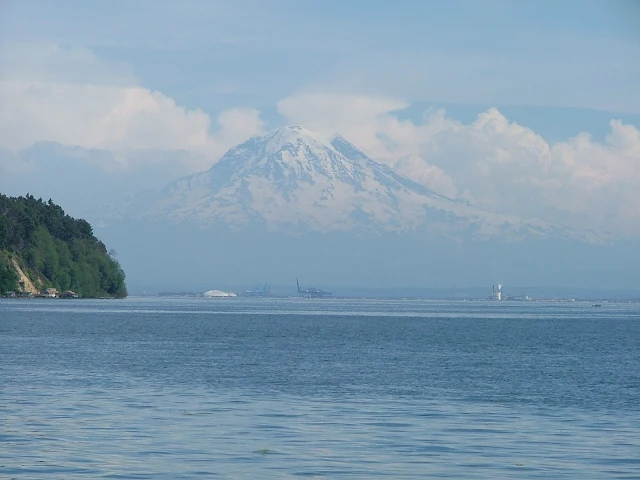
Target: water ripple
112,390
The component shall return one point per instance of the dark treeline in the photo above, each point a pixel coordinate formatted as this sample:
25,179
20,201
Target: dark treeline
54,250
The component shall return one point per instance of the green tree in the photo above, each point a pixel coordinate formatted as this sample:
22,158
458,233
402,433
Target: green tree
8,276
4,232
55,250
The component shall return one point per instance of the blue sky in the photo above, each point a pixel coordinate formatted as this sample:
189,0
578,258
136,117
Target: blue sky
215,55
540,92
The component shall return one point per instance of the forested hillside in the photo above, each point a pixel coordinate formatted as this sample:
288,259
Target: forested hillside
54,250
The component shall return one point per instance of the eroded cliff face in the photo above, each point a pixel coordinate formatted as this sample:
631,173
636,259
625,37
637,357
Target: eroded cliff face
24,281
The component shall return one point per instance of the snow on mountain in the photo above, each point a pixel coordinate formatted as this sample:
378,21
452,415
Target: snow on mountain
295,181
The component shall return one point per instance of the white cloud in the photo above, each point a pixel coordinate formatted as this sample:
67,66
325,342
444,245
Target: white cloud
493,162
72,97
507,167
432,177
114,118
600,178
368,122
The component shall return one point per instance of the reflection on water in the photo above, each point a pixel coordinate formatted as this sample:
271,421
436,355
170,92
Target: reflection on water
250,389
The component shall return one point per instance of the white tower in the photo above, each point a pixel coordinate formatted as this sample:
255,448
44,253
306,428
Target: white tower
499,293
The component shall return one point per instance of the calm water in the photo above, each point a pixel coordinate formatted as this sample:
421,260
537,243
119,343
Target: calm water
229,388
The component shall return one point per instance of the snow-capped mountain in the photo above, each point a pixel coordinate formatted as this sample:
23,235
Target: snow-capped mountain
294,180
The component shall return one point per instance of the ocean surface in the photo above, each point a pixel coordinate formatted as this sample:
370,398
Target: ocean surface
274,388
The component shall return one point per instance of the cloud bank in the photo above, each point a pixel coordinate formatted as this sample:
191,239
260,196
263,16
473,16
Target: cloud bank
71,97
68,96
114,118
492,162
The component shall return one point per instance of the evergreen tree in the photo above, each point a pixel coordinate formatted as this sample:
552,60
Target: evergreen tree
54,250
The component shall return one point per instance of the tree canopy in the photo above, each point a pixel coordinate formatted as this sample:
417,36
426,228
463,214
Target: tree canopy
54,250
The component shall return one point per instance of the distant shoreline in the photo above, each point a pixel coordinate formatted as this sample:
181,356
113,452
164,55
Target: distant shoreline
432,298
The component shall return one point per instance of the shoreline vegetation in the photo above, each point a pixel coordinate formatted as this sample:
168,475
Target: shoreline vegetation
45,253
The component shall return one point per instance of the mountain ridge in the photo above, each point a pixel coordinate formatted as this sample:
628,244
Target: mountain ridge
294,180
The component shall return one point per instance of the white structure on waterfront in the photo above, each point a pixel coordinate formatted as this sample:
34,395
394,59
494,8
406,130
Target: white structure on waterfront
218,293
496,294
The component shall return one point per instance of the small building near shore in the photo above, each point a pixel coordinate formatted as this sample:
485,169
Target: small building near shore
49,293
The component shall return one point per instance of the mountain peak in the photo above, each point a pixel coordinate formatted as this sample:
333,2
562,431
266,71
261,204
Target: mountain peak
292,138
294,180
294,130
291,156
